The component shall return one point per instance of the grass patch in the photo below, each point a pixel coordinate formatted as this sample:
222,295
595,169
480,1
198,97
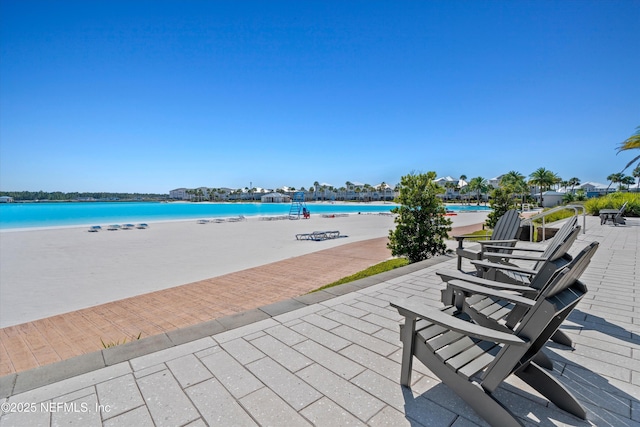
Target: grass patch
373,270
115,343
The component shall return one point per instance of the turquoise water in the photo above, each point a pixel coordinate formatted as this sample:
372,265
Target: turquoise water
29,215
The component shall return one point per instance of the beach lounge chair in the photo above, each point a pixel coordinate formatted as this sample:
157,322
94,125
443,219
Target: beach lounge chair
142,226
94,228
474,360
114,227
504,236
318,235
127,226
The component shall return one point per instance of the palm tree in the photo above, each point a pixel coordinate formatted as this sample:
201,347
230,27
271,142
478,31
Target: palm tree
514,183
633,142
636,174
479,185
316,184
542,178
614,178
627,180
573,182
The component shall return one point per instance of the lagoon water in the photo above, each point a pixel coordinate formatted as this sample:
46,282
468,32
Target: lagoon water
29,215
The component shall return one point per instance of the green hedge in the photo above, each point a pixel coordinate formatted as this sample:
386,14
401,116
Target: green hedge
615,201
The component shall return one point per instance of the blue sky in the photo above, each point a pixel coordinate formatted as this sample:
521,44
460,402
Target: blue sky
137,96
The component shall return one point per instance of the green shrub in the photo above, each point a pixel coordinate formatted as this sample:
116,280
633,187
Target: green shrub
615,201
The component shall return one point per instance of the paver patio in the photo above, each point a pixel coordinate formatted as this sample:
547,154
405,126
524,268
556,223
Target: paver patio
333,358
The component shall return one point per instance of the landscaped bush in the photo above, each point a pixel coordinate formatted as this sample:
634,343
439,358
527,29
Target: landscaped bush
615,201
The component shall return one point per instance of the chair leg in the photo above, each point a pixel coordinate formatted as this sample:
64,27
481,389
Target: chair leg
547,385
560,337
475,396
407,336
543,360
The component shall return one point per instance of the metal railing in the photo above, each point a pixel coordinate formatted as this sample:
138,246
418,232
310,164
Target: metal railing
544,214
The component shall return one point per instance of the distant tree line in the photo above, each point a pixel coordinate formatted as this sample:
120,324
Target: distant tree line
59,196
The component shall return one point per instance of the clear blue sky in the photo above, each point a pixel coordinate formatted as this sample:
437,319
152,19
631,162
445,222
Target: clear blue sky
137,96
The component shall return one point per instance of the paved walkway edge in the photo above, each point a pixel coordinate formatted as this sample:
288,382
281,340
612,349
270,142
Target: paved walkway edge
38,377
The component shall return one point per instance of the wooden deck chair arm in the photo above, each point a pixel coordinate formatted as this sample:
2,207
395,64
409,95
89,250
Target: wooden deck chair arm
506,267
515,248
416,310
466,236
515,256
475,289
491,242
448,276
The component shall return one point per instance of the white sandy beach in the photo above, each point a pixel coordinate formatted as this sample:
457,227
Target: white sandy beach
52,271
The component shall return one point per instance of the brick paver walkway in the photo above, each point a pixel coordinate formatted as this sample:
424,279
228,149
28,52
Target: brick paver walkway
61,337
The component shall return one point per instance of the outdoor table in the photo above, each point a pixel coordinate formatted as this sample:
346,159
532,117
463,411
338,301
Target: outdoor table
607,215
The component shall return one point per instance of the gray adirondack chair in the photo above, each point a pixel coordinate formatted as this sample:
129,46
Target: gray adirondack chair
504,236
619,218
484,308
544,249
554,255
474,360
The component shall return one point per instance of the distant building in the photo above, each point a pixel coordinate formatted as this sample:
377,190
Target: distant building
594,189
179,194
275,198
6,199
552,198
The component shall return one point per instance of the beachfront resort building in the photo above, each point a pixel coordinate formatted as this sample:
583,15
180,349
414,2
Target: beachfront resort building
6,199
275,197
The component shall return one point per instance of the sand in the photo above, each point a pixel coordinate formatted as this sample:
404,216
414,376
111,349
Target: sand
52,271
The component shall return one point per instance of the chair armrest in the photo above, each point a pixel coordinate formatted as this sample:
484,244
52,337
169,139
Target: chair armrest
473,289
490,242
515,248
462,277
506,267
515,256
414,310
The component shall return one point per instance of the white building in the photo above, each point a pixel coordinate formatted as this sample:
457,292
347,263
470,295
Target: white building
180,194
6,199
275,198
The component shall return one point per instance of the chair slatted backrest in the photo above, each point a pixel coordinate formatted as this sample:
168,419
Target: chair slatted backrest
558,246
557,260
507,226
556,301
